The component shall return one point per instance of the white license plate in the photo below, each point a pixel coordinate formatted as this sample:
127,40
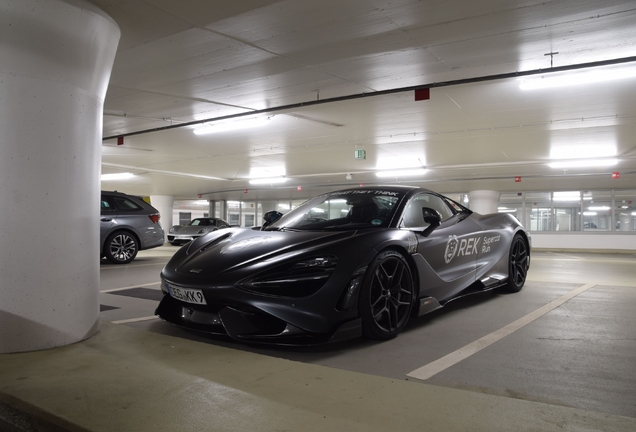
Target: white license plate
187,295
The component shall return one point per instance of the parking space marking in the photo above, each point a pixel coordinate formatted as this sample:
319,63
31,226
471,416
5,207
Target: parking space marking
441,364
132,320
115,266
129,287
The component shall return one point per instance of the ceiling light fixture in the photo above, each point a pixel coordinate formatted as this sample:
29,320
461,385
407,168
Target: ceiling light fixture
224,126
402,172
577,77
589,213
599,208
583,163
566,196
270,180
117,176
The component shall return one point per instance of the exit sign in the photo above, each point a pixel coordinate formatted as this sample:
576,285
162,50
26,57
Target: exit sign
359,154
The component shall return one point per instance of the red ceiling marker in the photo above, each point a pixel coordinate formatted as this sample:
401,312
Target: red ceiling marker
299,188
422,94
518,179
616,175
244,190
120,140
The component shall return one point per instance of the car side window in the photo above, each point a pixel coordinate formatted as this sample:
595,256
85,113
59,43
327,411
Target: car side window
125,204
412,216
107,205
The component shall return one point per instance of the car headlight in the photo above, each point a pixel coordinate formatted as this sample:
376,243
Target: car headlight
296,279
202,231
171,230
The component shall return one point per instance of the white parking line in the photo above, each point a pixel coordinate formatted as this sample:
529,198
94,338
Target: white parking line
129,287
121,267
131,320
439,365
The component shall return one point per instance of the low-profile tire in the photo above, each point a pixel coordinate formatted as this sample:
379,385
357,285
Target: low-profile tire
387,296
517,265
121,247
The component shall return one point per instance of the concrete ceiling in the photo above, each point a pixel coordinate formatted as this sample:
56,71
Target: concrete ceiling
297,61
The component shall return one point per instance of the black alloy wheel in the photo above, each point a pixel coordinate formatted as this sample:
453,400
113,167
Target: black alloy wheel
518,266
121,248
387,296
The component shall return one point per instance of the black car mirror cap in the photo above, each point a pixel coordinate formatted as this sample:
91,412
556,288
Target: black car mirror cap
270,217
433,218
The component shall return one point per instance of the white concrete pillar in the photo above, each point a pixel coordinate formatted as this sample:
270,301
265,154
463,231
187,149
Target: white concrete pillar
56,59
222,204
483,201
165,204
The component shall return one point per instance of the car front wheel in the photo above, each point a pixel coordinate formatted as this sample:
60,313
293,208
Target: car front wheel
518,265
121,248
387,296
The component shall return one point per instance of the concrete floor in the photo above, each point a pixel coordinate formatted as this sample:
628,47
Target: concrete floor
559,355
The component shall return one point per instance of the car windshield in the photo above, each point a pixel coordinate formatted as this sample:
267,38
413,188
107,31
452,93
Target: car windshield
200,222
344,210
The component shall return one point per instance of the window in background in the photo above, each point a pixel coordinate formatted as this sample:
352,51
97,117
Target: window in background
540,211
233,213
185,218
597,211
248,213
512,203
567,210
625,210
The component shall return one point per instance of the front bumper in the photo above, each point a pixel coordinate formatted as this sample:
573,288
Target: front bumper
247,324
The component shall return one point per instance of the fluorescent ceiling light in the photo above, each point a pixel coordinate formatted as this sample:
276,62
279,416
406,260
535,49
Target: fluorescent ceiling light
223,126
117,176
633,213
583,163
589,213
600,208
201,202
578,77
271,180
566,196
507,210
401,173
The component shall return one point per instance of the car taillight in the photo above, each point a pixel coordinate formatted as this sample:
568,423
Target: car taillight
154,218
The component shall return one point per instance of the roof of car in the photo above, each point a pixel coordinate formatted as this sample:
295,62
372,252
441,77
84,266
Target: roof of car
389,188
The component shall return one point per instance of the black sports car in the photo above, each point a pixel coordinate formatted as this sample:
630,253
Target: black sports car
356,262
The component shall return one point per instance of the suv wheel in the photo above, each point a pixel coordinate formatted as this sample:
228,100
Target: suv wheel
121,248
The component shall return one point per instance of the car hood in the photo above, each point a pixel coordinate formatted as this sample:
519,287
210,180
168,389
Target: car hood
228,250
190,229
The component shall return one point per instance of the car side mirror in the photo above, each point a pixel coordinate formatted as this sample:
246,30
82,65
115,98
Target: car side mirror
432,218
270,217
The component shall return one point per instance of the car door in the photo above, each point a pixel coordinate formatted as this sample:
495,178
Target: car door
108,214
449,252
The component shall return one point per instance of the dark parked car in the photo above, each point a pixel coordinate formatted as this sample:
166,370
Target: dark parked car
357,262
196,228
128,224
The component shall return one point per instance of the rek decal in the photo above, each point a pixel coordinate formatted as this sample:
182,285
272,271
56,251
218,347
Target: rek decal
489,241
466,246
